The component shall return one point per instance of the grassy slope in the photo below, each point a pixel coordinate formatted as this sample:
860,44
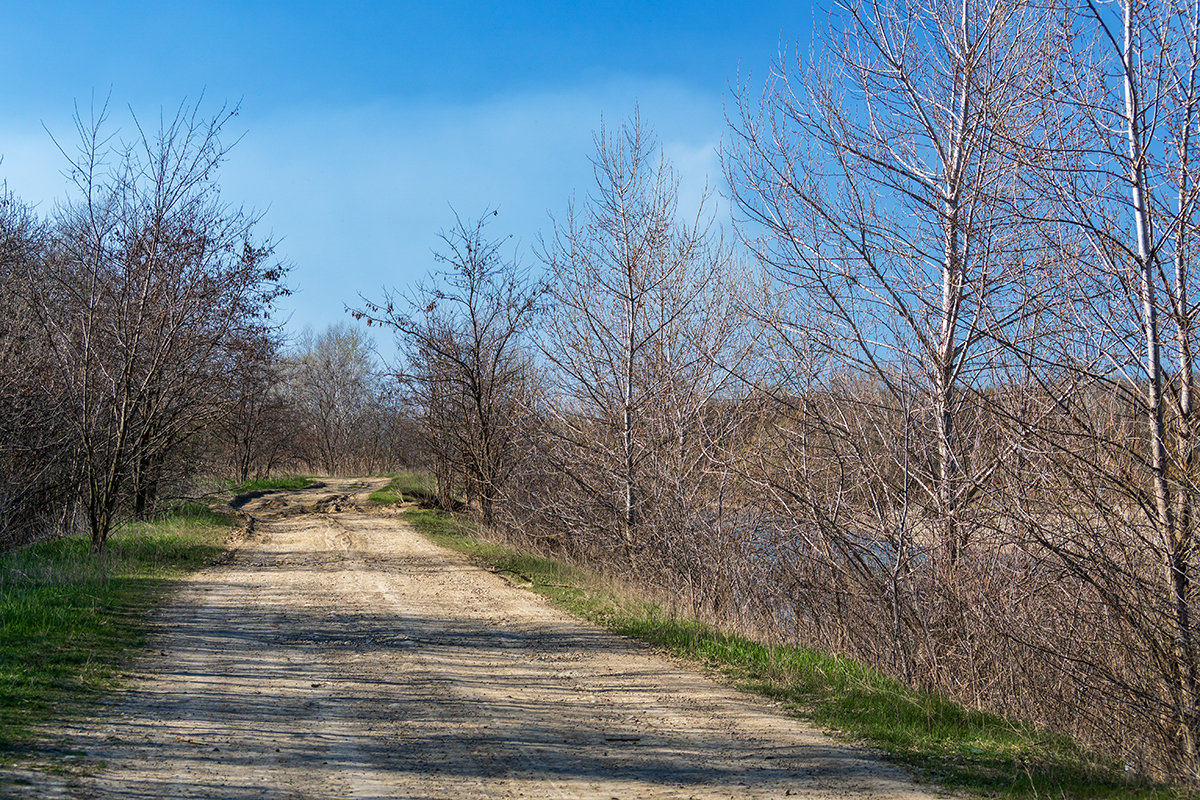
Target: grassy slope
405,487
268,484
69,621
941,741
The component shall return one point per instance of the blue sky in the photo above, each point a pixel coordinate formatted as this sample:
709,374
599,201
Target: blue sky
365,122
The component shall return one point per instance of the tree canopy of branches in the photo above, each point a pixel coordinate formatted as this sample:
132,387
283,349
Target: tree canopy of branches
640,308
36,451
152,291
977,220
880,179
1115,179
464,364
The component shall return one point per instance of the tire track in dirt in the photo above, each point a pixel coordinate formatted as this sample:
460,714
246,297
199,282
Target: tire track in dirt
337,653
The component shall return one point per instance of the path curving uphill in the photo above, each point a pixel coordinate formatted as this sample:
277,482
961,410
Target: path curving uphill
337,653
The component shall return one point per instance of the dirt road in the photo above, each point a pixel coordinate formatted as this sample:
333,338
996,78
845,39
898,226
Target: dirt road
339,654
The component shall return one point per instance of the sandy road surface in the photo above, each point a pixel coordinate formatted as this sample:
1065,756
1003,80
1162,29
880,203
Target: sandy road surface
340,654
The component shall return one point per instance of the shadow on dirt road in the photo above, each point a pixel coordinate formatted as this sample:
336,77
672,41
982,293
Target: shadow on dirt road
337,653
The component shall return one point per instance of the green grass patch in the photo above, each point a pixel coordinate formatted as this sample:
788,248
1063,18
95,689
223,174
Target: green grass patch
270,483
241,493
69,621
939,740
406,487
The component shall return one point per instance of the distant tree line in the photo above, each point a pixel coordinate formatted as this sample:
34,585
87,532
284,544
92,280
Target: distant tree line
934,410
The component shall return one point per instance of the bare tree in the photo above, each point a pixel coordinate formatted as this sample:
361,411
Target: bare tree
639,308
37,475
877,186
154,281
464,363
256,433
977,222
880,179
334,381
1118,185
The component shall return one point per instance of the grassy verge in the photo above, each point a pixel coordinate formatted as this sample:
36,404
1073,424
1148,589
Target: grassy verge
406,487
939,740
269,483
70,621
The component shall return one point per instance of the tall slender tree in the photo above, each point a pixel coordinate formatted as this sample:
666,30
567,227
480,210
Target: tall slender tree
639,308
876,188
1117,181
